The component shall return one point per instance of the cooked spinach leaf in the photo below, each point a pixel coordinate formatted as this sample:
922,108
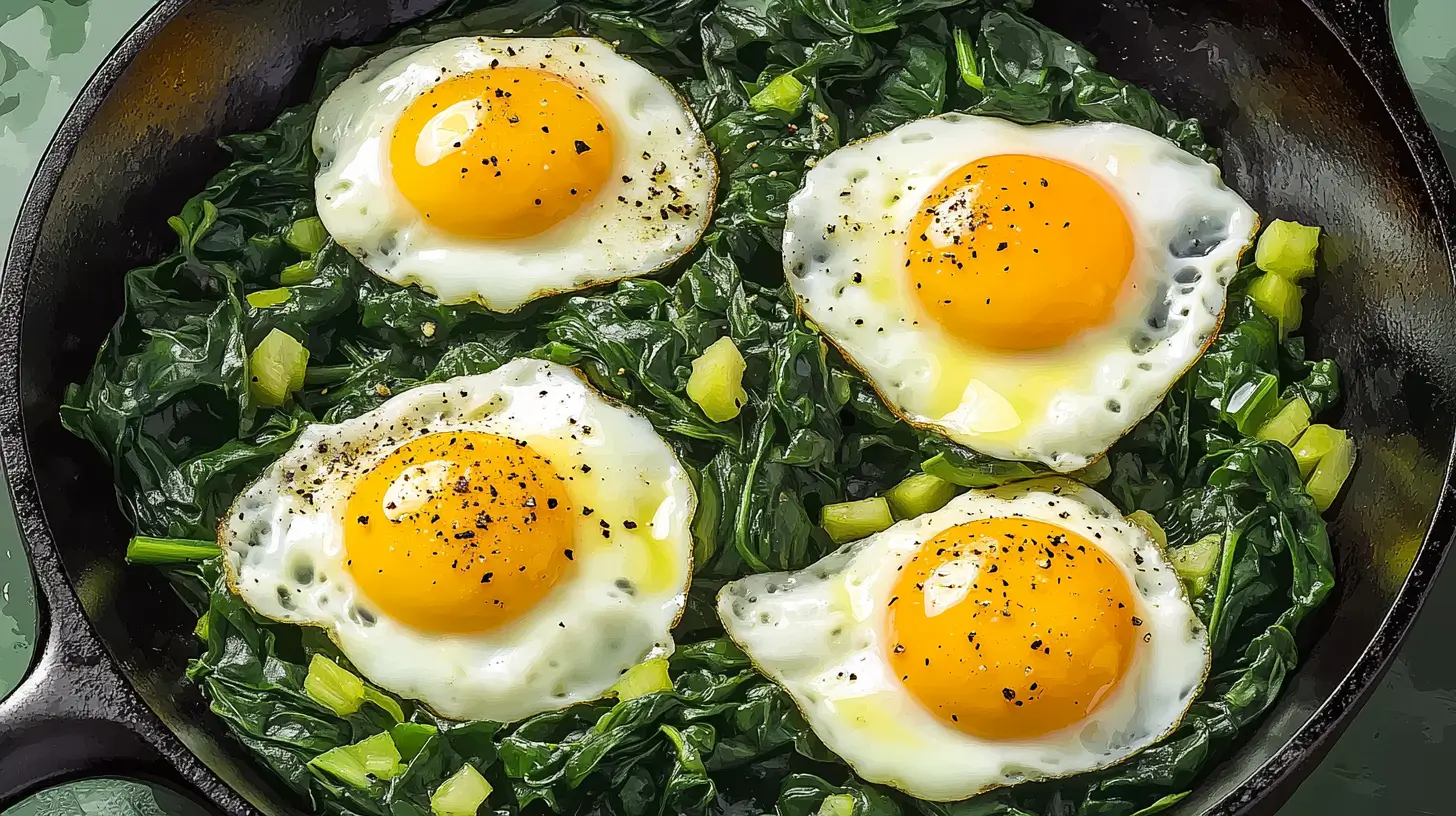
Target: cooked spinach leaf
167,404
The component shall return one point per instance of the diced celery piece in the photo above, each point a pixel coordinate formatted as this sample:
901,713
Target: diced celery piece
1145,520
1287,249
1252,402
333,686
1095,473
840,804
263,298
149,550
373,757
1195,562
409,738
642,679
966,60
276,368
919,494
1313,444
1286,426
1277,297
460,795
306,235
301,272
851,521
203,628
384,701
1330,474
783,93
716,383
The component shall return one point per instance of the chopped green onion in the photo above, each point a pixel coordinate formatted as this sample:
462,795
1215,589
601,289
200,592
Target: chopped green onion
1145,520
306,236
1313,444
333,687
642,679
263,298
301,272
966,60
410,738
784,93
919,494
1251,402
384,701
1287,249
460,795
357,765
1286,426
840,804
277,367
1277,297
716,383
1330,474
1195,562
203,628
1163,804
851,521
1095,473
149,550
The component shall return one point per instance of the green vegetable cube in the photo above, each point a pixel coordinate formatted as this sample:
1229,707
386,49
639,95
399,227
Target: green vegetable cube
644,678
851,521
1287,249
1286,426
301,272
716,383
1313,444
1330,473
839,804
357,765
334,687
784,93
919,494
1277,297
460,795
264,298
1195,563
306,235
276,368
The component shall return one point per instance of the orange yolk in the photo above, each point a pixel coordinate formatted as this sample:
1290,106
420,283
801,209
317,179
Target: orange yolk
1045,631
1019,252
459,532
500,153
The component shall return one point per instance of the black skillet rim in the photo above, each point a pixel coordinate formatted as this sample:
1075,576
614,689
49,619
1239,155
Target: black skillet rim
1361,27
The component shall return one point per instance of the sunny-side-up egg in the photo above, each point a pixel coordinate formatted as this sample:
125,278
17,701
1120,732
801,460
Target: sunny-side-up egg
1020,633
494,546
1030,292
499,170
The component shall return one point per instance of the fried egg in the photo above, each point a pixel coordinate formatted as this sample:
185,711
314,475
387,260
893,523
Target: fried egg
494,546
1030,292
499,170
1021,633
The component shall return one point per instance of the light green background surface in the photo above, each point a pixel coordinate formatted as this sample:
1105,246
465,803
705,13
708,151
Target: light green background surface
1394,760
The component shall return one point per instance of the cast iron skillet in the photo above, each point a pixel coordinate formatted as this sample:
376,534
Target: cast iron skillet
1305,97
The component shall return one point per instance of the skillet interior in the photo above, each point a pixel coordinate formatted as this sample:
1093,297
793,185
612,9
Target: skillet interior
1304,136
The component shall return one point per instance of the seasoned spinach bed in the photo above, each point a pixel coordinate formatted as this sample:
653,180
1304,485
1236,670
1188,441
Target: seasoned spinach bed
168,404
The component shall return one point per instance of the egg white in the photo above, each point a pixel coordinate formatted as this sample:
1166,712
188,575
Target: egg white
284,542
628,229
821,633
844,247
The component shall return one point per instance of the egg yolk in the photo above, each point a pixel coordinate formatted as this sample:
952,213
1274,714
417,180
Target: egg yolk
1010,628
501,152
459,532
1017,252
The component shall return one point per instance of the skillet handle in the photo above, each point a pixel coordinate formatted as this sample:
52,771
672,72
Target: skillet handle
1364,27
74,715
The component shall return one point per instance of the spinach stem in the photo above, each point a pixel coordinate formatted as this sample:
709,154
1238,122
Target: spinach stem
149,550
327,374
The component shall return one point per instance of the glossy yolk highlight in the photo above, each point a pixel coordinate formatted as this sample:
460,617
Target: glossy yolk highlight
1019,252
501,153
459,532
1009,628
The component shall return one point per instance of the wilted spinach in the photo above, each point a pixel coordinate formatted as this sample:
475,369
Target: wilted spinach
167,404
